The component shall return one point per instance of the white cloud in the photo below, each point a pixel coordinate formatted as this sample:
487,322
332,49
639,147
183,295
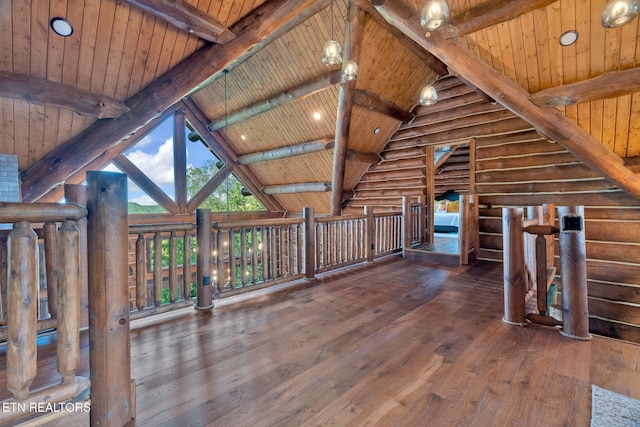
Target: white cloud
157,166
144,141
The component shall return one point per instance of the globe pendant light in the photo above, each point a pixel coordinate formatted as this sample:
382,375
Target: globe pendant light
332,52
350,70
619,12
428,96
435,13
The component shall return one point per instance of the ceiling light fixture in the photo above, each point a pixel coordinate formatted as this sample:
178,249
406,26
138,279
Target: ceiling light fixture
61,26
428,96
568,38
350,70
435,13
317,116
616,13
376,131
332,52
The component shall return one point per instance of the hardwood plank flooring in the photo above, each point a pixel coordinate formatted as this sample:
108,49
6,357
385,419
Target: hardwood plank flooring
394,343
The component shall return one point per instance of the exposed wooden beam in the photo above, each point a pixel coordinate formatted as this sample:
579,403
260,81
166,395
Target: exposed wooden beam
187,17
36,90
427,58
353,37
297,93
301,187
364,157
493,12
145,184
284,152
608,85
633,163
180,162
218,144
267,22
373,102
549,122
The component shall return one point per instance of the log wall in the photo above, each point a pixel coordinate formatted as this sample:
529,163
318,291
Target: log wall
522,169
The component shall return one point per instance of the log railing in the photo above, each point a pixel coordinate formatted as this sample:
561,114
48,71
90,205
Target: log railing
163,267
339,242
388,233
20,300
250,255
418,231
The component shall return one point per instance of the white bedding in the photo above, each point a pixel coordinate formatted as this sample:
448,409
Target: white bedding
446,218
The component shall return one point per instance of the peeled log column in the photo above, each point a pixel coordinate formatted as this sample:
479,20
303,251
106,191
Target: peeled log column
203,260
68,350
514,266
573,265
23,309
112,402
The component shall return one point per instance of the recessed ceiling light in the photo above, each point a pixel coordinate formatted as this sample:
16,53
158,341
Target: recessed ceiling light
61,26
376,131
317,116
244,138
568,38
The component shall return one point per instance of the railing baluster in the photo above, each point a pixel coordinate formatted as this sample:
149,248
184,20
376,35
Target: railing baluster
141,272
186,266
244,254
254,255
173,267
157,269
265,254
51,265
23,309
3,279
68,350
231,248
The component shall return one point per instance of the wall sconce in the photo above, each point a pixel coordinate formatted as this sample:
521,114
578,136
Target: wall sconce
435,13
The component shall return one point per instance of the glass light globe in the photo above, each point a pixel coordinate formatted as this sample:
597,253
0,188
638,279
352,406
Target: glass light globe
435,13
350,70
428,96
332,53
619,12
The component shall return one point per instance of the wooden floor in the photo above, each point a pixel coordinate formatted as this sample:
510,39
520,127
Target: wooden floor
389,344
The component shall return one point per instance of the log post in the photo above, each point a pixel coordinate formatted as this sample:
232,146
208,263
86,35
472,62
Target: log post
22,309
573,266
109,336
422,219
370,233
514,266
68,350
309,243
3,278
51,265
204,292
77,193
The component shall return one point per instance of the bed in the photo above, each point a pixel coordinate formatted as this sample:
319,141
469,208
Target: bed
446,217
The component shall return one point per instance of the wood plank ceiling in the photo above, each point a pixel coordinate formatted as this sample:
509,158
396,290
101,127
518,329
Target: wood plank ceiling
117,50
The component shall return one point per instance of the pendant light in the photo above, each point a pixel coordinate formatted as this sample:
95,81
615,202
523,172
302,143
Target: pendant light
332,52
435,13
619,12
350,70
428,96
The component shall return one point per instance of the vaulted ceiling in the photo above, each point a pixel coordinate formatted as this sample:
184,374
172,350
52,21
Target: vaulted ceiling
69,104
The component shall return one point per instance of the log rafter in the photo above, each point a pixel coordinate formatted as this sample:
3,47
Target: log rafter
608,85
548,122
187,17
46,92
256,30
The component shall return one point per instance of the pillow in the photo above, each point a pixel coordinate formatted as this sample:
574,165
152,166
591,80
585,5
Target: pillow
453,206
441,206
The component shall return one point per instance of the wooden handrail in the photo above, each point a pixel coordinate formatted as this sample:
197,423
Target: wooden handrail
256,223
11,212
160,228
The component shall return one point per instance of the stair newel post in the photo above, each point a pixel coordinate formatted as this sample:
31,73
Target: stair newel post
573,273
514,266
112,390
68,350
22,309
204,292
309,243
